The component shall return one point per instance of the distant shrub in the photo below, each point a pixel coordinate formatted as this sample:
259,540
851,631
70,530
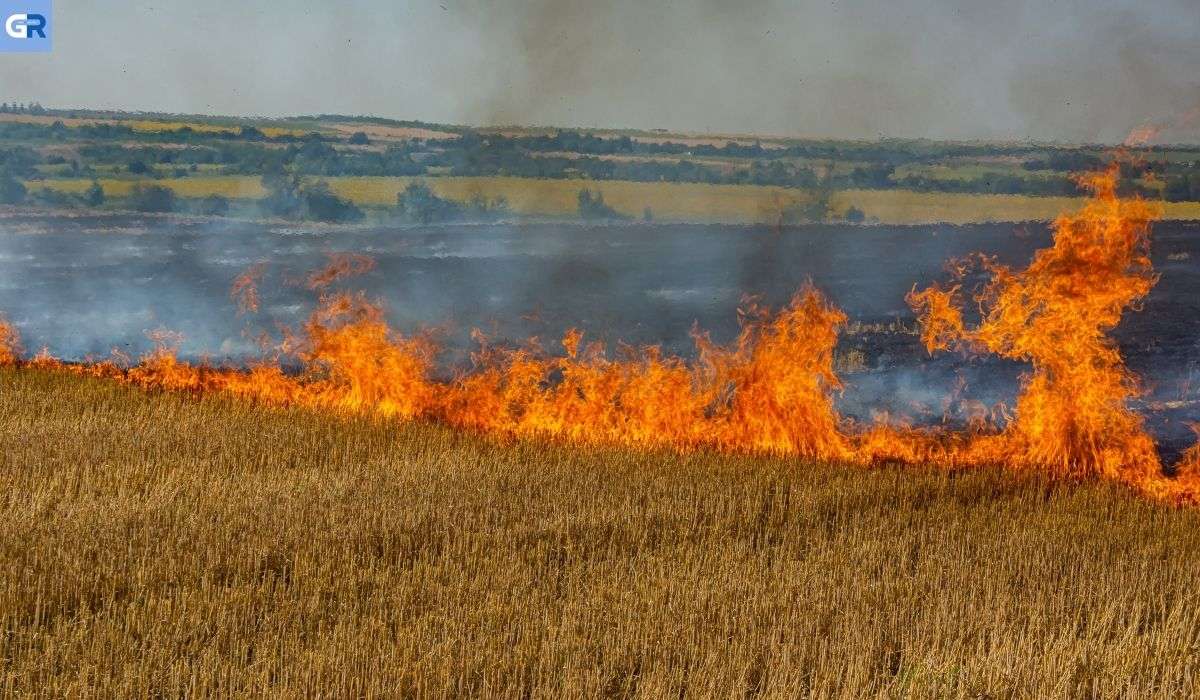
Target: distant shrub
50,197
12,191
480,208
418,204
321,204
93,196
855,215
813,210
359,138
212,205
137,167
19,161
250,133
152,198
283,195
593,206
1072,161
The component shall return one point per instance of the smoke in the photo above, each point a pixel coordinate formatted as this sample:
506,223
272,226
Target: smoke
1078,70
81,284
85,286
1141,77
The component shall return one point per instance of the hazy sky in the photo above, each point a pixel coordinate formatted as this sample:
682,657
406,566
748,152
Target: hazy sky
1077,70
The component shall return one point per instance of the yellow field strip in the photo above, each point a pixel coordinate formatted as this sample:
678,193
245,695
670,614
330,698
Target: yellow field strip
669,201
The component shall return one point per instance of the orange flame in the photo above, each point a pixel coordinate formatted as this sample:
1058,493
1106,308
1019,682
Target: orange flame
244,291
1072,416
769,392
340,265
1144,134
10,343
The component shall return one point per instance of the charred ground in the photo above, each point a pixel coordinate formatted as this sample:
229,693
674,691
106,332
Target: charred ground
84,285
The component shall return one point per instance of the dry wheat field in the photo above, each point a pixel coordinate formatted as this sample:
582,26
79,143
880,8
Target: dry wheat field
163,545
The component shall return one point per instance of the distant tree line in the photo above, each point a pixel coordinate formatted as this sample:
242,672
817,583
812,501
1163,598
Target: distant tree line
891,151
34,108
418,204
566,154
994,184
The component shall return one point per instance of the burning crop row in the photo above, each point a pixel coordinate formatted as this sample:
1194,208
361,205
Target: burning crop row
771,391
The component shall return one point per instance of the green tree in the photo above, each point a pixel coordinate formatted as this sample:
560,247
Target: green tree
418,204
93,196
152,198
283,194
321,204
480,208
593,206
50,197
12,191
250,133
816,208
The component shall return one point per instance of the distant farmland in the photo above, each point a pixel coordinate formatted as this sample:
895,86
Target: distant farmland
148,125
668,201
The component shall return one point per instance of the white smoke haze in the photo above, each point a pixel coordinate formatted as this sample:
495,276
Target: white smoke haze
1078,70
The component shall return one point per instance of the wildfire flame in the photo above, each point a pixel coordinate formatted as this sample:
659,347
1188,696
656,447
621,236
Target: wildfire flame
244,291
10,343
340,265
1145,134
1072,416
769,392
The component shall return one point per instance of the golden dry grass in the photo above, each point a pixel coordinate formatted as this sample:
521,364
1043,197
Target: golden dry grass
670,201
391,133
674,201
158,545
685,138
234,187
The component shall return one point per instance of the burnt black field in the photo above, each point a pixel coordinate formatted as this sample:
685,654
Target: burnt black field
82,286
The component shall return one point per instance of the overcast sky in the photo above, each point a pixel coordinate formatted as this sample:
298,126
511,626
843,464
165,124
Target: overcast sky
1066,70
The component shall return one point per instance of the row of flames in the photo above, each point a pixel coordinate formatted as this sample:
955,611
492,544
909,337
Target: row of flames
771,391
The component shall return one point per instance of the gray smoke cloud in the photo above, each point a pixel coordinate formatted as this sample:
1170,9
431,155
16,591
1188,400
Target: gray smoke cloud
1075,70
